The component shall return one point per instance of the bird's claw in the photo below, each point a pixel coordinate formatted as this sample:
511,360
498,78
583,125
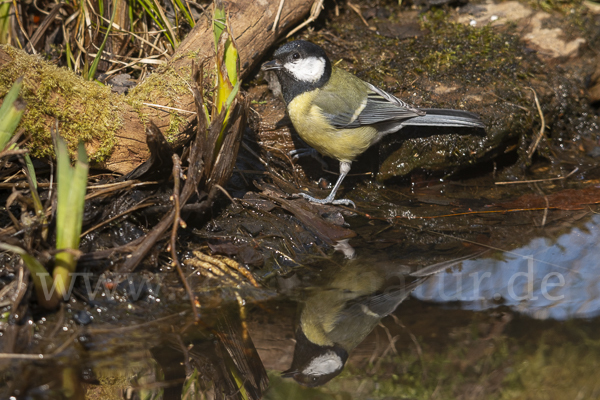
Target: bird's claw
297,153
327,200
346,202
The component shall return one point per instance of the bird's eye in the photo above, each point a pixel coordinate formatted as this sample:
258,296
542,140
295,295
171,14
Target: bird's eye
296,56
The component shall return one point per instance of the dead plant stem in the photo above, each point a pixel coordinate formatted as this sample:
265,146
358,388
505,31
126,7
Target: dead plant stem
547,204
281,2
538,180
176,222
535,144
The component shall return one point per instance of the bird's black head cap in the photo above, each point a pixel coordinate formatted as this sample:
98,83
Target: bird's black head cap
315,365
300,66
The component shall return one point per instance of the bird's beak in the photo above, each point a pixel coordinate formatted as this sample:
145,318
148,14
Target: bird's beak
290,373
271,65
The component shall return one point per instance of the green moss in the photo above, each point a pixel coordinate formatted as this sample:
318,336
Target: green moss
562,364
85,111
165,87
554,5
566,7
450,52
568,371
176,125
464,52
192,55
580,21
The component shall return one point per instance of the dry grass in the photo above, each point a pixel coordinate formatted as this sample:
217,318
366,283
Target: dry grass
98,39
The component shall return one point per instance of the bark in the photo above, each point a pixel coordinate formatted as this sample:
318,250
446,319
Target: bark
251,24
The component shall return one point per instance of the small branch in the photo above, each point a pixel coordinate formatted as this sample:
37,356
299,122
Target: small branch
538,180
509,103
21,290
41,356
547,204
535,144
415,341
169,108
7,153
176,222
4,356
315,10
278,16
356,9
129,328
225,192
108,221
186,355
23,31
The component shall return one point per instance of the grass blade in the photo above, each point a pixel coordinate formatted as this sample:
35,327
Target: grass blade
228,68
94,66
39,275
154,13
72,184
5,22
185,13
219,21
11,112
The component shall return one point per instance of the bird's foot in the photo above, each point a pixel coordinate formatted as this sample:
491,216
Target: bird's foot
296,154
327,200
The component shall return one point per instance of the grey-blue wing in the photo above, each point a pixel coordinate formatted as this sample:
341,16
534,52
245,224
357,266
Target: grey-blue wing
380,107
379,304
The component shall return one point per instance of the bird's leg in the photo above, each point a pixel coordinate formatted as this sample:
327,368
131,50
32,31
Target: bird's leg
344,169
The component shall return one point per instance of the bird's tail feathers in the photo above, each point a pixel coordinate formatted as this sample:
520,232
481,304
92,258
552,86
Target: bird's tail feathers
446,118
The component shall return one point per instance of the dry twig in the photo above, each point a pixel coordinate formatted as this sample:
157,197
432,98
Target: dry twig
356,9
176,222
535,144
547,204
315,11
538,180
278,15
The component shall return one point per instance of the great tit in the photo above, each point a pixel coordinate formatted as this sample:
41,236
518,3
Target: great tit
341,116
336,317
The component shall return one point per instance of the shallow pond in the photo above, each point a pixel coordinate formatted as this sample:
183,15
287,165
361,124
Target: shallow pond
508,314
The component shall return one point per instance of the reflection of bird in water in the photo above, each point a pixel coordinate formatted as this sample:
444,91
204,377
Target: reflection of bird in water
337,317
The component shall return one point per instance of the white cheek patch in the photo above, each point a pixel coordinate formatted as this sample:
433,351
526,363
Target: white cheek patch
309,69
324,364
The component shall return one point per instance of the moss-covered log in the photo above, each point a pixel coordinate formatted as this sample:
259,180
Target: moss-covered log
113,125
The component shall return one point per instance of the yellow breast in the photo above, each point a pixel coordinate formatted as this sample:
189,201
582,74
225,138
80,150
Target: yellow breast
312,126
